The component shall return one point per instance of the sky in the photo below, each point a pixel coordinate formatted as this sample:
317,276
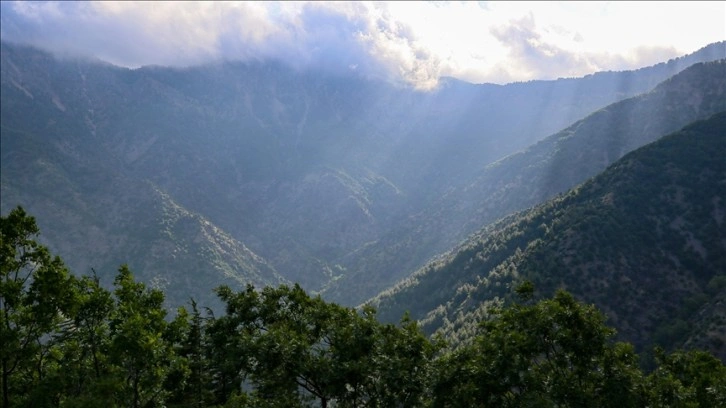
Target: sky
415,43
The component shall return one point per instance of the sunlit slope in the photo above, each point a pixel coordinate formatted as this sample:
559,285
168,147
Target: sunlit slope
534,175
106,219
90,207
645,241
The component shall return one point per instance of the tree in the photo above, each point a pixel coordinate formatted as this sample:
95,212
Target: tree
85,375
556,352
291,349
688,379
230,342
35,295
190,384
139,347
402,362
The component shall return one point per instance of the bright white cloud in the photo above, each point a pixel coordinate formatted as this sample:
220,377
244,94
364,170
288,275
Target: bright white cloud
514,41
417,42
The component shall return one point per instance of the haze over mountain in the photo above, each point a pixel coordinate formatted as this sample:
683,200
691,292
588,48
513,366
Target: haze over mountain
551,166
411,43
644,241
257,172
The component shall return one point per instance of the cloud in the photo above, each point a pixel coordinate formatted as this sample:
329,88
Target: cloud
532,56
134,34
408,42
332,36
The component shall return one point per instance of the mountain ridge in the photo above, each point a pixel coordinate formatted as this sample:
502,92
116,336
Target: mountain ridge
643,241
299,170
546,168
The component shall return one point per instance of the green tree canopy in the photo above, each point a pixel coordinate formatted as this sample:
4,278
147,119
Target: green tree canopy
69,342
36,292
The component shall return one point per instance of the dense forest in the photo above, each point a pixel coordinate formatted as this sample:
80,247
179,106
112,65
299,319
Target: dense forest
644,241
69,342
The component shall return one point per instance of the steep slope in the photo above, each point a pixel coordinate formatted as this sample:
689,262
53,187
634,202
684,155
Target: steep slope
107,219
534,175
302,168
90,208
645,241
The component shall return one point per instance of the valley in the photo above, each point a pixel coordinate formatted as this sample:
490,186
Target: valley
357,189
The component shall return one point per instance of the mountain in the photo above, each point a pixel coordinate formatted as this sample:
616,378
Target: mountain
104,219
90,206
645,241
273,174
539,172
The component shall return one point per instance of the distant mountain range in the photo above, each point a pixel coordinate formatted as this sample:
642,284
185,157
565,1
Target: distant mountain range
258,173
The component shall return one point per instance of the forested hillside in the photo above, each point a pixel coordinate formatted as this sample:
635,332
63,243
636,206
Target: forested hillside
534,175
260,173
67,341
644,241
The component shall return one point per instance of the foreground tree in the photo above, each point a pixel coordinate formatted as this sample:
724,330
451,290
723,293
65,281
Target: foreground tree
36,293
141,344
68,342
553,353
84,377
687,379
189,381
293,350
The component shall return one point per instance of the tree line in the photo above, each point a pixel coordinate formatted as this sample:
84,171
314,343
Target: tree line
69,342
